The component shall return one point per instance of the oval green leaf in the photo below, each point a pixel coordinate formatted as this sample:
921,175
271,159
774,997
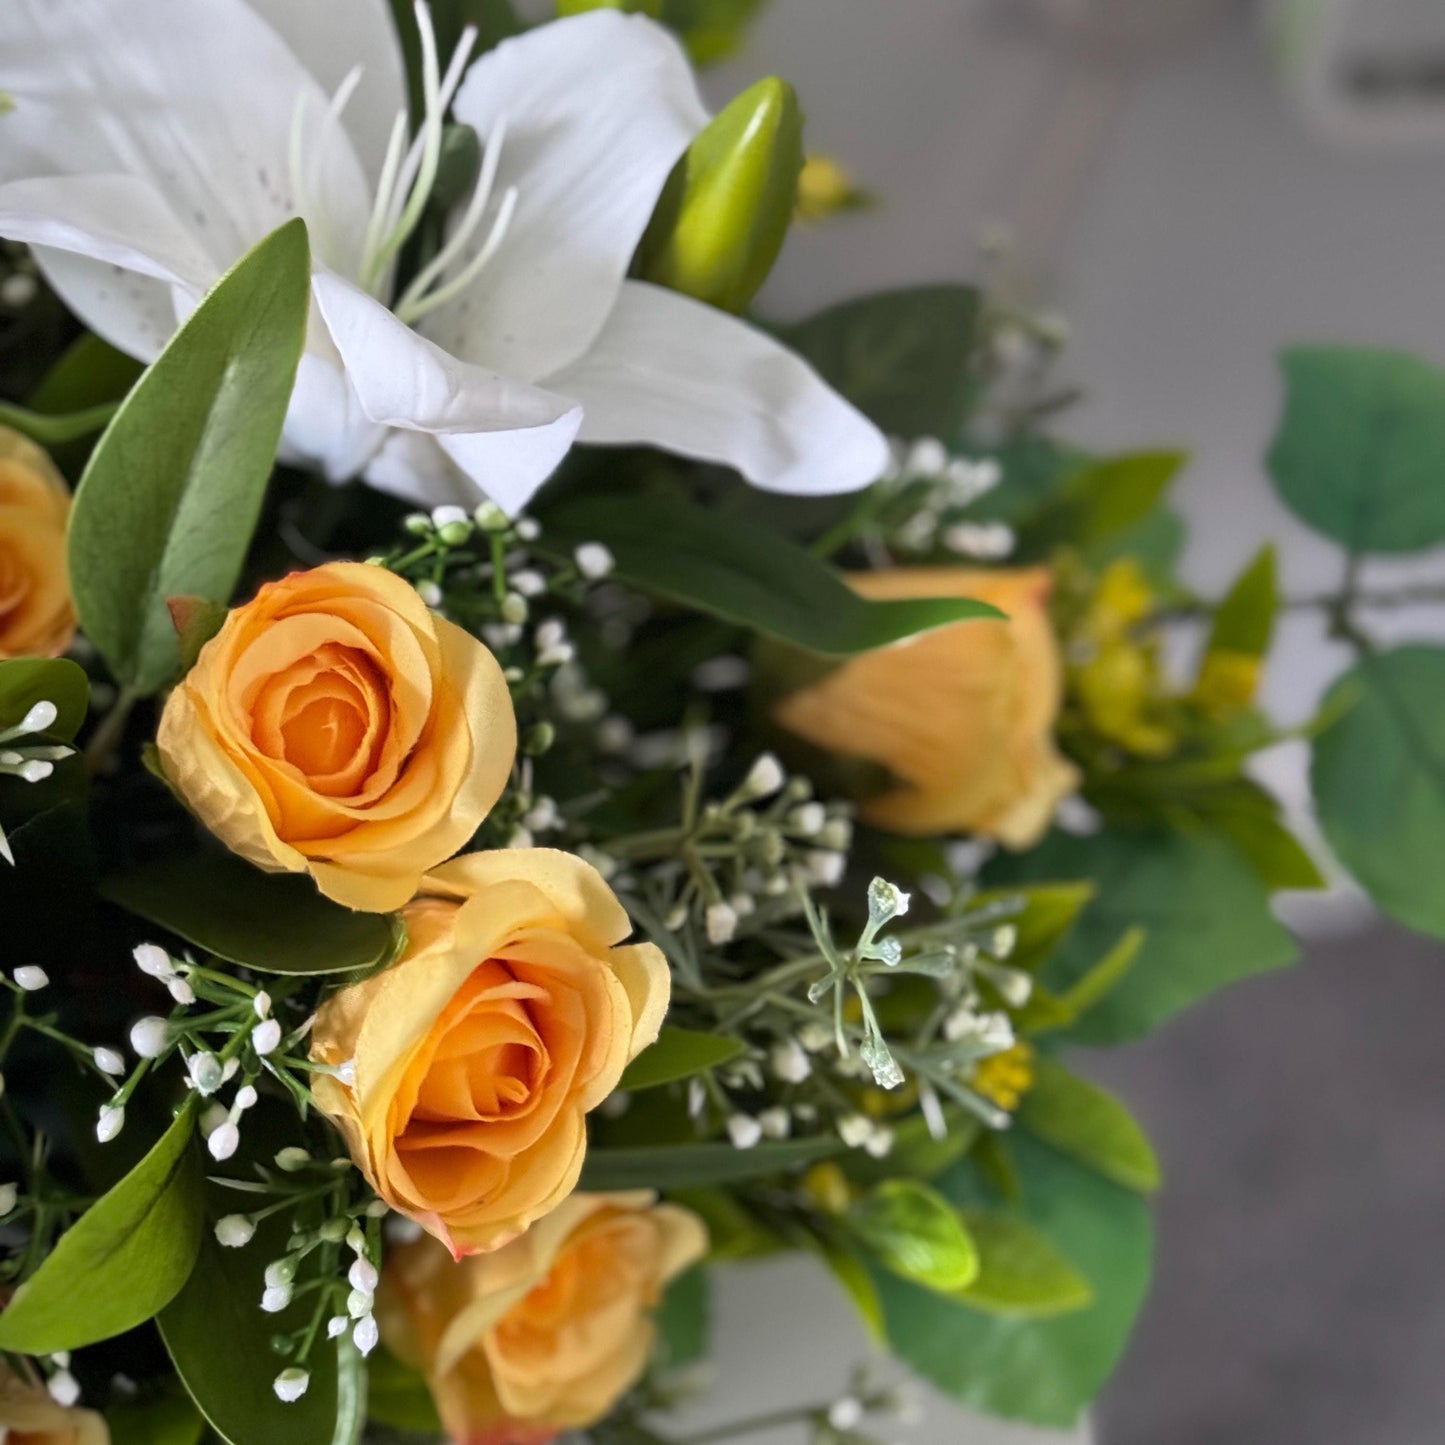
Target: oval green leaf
172,492
1088,1124
272,922
747,575
1361,447
1020,1274
123,1260
1378,778
167,1418
24,681
679,1054
917,1233
219,1340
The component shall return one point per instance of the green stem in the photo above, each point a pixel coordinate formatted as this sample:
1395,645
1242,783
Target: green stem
774,1420
107,736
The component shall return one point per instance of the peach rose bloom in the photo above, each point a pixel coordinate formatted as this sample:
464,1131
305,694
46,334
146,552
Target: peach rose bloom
478,1055
962,717
28,1416
37,618
336,727
547,1334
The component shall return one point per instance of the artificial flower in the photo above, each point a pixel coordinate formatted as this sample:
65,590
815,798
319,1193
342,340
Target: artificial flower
334,726
961,717
547,1334
146,145
467,1069
28,1416
37,617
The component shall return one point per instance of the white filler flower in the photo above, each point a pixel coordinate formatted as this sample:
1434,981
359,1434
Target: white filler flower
151,143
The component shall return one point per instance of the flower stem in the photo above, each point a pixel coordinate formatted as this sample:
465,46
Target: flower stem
108,734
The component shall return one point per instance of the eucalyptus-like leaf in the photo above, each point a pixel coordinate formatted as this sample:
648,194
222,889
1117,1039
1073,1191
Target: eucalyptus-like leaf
679,1054
272,922
753,577
123,1260
173,490
1090,1125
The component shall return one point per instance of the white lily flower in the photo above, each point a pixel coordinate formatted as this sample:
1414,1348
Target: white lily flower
149,144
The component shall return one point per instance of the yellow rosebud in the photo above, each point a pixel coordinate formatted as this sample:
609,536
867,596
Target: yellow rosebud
723,216
37,618
961,717
336,727
478,1055
547,1334
28,1416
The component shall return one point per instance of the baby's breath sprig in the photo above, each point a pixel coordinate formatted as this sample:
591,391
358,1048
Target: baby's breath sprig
30,761
332,1256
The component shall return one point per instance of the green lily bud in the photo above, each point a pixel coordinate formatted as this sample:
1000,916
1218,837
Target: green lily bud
726,207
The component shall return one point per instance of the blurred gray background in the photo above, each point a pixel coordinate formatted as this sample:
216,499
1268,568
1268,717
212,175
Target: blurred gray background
1188,212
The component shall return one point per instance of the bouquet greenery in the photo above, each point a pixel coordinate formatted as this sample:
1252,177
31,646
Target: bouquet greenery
445,915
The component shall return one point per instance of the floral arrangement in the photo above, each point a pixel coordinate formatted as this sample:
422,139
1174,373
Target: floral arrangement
445,915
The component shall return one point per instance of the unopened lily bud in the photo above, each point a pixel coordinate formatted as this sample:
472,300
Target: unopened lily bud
726,208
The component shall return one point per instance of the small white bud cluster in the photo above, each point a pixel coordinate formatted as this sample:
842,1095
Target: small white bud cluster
363,1279
858,1131
155,962
223,1138
62,1386
594,561
983,541
30,762
950,484
30,979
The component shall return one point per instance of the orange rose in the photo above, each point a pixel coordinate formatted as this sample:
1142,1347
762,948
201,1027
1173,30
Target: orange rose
37,618
28,1416
547,1334
961,717
336,727
478,1055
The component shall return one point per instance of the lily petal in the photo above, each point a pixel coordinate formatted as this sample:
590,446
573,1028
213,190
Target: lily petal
674,373
506,436
197,99
112,249
597,109
330,37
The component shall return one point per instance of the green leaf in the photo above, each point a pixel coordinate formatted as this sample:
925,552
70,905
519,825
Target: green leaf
219,1340
167,1418
712,563
1379,782
196,621
24,681
725,211
711,29
688,1166
1361,448
273,922
397,1395
1044,1371
678,1054
121,1261
1105,499
172,492
904,358
632,7
1020,1273
683,1320
1104,977
1250,819
1088,1124
55,430
848,1268
1205,915
1244,621
916,1233
89,373
1049,912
